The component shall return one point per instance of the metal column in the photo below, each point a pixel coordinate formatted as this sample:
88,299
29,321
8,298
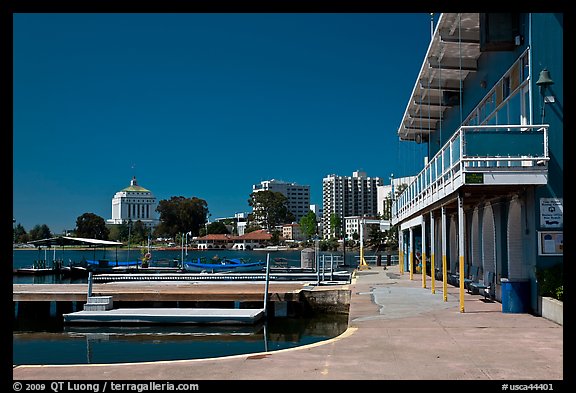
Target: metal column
461,248
432,252
401,251
423,252
411,253
444,270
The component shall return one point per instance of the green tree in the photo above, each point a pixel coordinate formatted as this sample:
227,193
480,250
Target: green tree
181,215
139,233
328,244
113,232
39,232
251,227
376,238
92,226
308,224
217,227
119,232
275,239
335,224
270,208
20,235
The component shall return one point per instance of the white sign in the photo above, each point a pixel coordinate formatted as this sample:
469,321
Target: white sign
551,212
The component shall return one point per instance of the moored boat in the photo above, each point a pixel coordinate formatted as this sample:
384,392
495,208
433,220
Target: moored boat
224,265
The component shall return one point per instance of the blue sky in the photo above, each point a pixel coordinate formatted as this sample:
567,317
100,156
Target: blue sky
205,105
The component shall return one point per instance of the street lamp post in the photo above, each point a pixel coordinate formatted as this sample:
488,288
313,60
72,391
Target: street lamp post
186,245
182,247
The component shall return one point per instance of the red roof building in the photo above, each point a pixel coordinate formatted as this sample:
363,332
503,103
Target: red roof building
247,241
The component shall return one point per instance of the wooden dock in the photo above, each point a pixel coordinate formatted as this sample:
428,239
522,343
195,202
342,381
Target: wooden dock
159,291
227,316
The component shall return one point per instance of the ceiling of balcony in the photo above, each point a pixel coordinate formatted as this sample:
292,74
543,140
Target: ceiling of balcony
452,55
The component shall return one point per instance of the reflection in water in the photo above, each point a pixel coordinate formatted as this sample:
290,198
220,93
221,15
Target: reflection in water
44,340
118,344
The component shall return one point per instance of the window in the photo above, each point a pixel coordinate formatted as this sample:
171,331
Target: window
498,31
505,87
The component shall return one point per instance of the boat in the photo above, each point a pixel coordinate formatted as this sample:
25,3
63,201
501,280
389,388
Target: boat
76,269
271,248
223,265
34,271
40,268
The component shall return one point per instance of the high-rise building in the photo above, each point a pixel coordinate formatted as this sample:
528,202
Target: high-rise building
385,196
134,203
344,196
298,195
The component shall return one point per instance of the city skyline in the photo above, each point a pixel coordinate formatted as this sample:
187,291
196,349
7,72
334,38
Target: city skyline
205,105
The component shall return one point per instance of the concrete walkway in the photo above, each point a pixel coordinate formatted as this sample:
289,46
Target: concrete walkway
397,331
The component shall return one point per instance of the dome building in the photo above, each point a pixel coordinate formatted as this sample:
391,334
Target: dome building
134,203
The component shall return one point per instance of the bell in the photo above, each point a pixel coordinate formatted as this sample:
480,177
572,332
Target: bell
544,80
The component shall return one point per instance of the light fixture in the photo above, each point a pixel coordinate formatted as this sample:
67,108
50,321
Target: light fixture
544,81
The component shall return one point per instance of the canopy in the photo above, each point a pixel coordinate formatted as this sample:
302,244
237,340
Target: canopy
69,241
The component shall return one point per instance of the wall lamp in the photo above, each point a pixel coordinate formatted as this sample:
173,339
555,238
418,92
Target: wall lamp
544,81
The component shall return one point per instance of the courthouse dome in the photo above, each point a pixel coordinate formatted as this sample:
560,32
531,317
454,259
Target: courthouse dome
135,187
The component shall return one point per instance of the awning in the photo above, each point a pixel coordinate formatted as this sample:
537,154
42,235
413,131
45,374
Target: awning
70,241
452,55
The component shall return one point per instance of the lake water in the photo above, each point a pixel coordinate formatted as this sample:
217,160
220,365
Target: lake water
48,341
26,257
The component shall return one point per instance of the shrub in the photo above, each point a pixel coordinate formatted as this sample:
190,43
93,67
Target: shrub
550,281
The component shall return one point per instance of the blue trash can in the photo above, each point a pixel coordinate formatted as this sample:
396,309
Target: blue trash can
515,296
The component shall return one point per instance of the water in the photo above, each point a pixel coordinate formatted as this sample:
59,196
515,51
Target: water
36,341
25,258
49,343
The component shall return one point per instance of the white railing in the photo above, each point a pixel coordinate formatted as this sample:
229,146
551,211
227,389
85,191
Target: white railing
511,149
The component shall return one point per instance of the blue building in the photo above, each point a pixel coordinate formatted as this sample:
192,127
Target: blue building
488,102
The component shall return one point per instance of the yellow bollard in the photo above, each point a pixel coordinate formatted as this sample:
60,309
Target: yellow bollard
423,270
433,273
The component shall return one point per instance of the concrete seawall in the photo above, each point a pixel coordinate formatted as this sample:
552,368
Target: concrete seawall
397,331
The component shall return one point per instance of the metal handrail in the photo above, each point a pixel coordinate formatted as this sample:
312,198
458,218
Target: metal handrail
442,171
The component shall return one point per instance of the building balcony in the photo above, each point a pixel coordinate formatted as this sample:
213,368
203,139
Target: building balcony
488,159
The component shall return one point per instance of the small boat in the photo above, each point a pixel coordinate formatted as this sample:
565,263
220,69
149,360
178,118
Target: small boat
105,263
75,271
40,268
34,271
224,265
272,248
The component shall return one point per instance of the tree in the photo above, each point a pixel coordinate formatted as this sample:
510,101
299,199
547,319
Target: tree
139,233
270,208
92,226
217,227
181,215
376,238
20,235
335,224
275,239
308,224
39,232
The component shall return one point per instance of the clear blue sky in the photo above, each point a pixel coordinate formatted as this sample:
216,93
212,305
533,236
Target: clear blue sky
205,105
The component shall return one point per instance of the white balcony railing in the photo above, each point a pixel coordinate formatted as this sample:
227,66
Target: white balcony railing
489,154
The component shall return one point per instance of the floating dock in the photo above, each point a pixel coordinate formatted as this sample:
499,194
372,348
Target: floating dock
167,316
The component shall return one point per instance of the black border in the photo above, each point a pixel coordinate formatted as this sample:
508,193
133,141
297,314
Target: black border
8,8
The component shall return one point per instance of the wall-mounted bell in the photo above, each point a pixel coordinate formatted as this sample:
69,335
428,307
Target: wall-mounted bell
544,80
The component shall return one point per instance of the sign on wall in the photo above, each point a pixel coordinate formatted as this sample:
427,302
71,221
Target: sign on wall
551,213
550,243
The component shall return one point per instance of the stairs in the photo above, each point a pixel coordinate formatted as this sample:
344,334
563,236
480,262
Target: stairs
99,303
